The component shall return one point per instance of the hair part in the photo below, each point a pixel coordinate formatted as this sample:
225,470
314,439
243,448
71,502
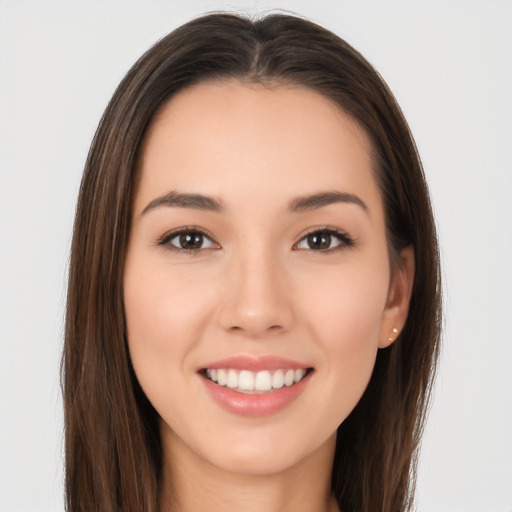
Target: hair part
112,442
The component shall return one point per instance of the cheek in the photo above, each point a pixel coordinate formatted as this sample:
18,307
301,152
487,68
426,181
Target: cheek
163,308
346,303
344,315
164,318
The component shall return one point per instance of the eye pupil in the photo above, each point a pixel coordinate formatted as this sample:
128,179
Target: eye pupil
319,241
191,240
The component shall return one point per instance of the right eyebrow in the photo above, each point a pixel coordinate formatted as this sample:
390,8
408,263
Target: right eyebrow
181,200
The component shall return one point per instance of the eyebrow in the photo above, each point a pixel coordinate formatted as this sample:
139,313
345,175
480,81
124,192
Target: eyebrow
207,203
180,200
317,201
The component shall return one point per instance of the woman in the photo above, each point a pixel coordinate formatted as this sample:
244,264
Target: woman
258,323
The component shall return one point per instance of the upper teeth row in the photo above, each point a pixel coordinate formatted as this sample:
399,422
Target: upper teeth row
246,380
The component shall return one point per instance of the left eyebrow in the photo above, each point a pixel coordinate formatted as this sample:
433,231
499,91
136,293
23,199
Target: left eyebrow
316,201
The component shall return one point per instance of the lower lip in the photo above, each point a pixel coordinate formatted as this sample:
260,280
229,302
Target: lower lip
263,404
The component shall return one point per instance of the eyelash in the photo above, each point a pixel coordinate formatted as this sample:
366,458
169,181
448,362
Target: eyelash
344,239
165,240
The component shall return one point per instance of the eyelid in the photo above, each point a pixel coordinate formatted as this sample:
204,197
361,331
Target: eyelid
346,241
169,235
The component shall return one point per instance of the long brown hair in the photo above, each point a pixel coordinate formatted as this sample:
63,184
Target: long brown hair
113,450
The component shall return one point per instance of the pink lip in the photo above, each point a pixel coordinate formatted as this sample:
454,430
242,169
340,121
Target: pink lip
254,405
256,364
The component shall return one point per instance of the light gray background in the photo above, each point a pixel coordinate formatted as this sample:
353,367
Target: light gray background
449,64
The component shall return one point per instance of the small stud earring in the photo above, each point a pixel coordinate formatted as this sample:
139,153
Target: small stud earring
395,331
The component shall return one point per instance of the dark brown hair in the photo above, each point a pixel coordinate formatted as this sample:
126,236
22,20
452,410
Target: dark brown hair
112,442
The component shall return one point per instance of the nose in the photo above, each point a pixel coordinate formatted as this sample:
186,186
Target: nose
257,300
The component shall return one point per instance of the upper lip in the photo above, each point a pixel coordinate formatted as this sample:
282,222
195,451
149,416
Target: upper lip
256,364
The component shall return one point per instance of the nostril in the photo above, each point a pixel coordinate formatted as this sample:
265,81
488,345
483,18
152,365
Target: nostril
252,318
272,328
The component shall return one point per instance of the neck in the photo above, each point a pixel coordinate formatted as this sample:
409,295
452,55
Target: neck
191,483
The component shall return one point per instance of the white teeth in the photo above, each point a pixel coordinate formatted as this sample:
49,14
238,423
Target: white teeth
263,381
278,379
247,381
299,374
222,377
232,381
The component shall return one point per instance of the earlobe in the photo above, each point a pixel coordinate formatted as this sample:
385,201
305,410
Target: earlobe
399,297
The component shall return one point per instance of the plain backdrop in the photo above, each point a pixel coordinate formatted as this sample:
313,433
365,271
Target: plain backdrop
449,64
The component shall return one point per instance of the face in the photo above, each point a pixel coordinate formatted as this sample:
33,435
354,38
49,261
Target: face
257,282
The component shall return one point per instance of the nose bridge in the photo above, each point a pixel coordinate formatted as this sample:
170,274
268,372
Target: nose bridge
257,299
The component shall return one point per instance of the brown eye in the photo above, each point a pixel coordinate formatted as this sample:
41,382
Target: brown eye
319,241
325,240
190,240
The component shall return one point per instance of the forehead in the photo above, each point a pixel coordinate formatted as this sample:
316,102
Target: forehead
217,138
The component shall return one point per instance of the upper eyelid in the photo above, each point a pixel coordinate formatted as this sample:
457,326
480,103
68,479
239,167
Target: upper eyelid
314,229
345,238
319,229
186,229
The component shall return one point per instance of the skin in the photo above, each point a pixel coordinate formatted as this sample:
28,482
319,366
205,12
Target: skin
257,288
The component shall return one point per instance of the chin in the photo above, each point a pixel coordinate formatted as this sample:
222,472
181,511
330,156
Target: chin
277,455
253,463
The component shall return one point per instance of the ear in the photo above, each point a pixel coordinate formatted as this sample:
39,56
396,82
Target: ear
399,297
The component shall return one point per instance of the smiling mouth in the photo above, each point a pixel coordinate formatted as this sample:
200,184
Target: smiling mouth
249,382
